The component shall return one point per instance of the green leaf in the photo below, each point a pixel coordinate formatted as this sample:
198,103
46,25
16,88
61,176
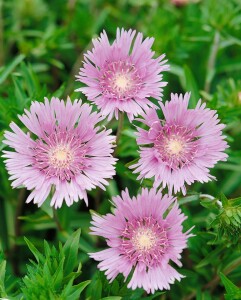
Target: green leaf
58,276
191,86
19,91
86,246
179,72
112,298
9,68
47,208
209,259
131,163
78,290
235,202
96,290
203,295
224,200
39,257
32,85
70,250
115,287
47,277
112,188
60,91
2,278
233,292
231,66
210,204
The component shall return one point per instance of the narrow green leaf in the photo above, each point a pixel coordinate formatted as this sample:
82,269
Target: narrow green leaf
191,86
71,250
47,249
231,66
47,274
112,298
224,200
96,289
34,250
229,286
10,67
19,91
112,188
2,278
47,208
210,257
235,202
60,91
59,275
179,72
86,246
115,287
78,290
30,80
68,287
131,163
2,270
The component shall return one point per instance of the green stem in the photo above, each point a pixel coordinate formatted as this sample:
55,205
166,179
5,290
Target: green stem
119,130
56,220
219,203
211,61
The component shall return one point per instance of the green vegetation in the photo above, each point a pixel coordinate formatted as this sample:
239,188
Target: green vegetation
43,254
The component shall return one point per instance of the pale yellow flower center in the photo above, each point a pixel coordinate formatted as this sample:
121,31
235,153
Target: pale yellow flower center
174,147
60,156
144,239
122,83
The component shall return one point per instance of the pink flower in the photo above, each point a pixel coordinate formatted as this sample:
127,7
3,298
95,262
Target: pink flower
179,2
122,76
144,235
65,152
183,2
181,148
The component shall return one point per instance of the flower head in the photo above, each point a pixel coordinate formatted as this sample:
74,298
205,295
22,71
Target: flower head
144,235
121,76
65,152
179,2
183,2
181,148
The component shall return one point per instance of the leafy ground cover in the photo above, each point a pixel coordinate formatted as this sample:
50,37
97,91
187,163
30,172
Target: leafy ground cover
44,251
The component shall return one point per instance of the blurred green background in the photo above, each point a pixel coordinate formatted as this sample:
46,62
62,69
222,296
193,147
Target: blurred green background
41,50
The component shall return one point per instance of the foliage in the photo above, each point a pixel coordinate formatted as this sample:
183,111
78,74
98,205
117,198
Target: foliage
233,292
41,50
52,276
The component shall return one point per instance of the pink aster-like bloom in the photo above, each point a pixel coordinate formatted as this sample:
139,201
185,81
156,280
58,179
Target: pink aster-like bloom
123,75
144,235
183,147
183,2
66,152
